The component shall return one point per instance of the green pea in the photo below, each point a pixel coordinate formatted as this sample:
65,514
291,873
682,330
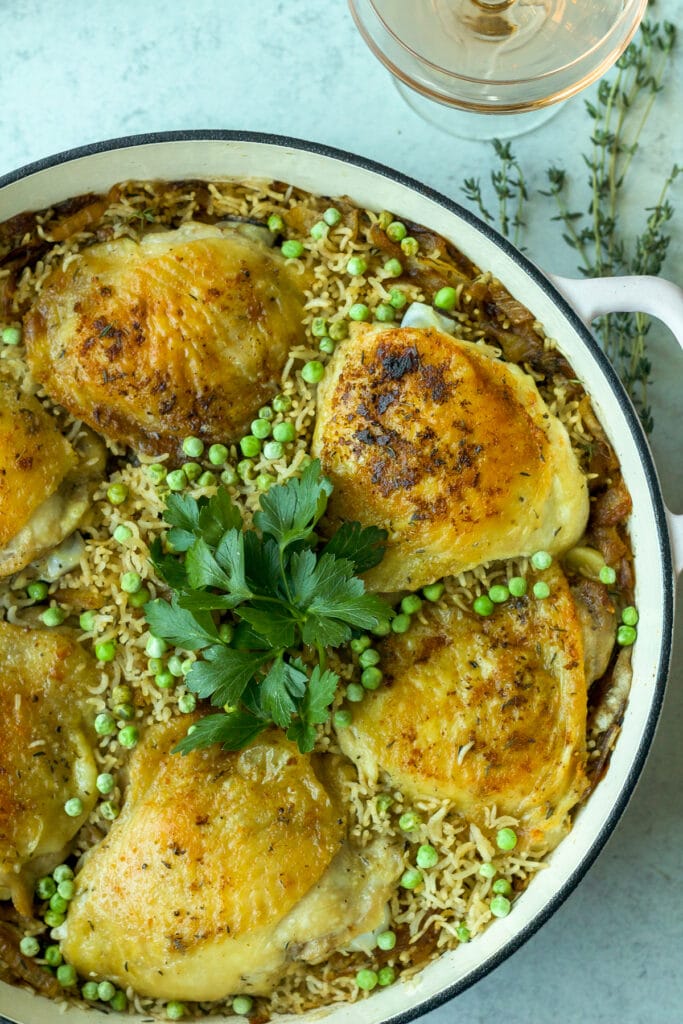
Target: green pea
218,453
273,450
125,711
105,991
261,429
386,940
53,616
393,268
66,890
242,1005
369,657
541,560
106,650
409,821
426,856
193,446
139,598
45,887
282,403
397,297
607,575
517,586
187,702
410,879
359,312
360,644
446,299
483,605
384,802
119,1000
10,336
192,470
62,873
73,808
396,231
318,230
487,870
506,839
433,592
313,372
342,719
58,903
175,1010
463,933
327,346
498,593
386,976
53,919
332,216
164,679
371,677
367,979
385,313
502,887
244,469
251,446
284,432
356,266
122,533
176,480
89,991
109,810
117,494
156,472
630,616
626,636
130,582
275,223
411,604
382,629
37,591
207,479
400,623
264,481
53,956
500,906
29,946
104,783
319,327
104,724
541,590
339,330
292,249
355,693
129,736
384,220
410,245
229,477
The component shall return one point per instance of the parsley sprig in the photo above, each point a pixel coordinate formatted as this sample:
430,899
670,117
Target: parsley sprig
289,596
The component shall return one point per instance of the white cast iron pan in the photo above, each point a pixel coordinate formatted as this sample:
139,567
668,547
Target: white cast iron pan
563,307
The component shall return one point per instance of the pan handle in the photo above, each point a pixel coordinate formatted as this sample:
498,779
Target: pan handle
592,297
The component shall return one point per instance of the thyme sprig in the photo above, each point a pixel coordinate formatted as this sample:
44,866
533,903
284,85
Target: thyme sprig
594,228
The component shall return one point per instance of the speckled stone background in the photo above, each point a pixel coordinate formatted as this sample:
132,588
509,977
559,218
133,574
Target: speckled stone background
73,73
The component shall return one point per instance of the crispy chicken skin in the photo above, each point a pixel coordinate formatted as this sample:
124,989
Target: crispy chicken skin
185,332
452,451
45,483
46,756
512,685
202,886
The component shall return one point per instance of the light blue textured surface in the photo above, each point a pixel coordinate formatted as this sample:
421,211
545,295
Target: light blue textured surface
77,72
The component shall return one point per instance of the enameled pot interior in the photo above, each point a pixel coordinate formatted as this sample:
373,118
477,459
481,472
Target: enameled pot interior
323,171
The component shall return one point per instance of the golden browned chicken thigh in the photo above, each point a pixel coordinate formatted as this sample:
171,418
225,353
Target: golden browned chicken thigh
46,754
185,332
45,482
484,712
453,451
221,868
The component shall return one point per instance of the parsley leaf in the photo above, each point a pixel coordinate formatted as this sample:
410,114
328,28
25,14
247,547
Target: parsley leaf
191,630
233,731
277,593
363,546
289,512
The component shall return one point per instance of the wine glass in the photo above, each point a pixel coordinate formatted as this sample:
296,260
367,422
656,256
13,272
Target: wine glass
508,59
